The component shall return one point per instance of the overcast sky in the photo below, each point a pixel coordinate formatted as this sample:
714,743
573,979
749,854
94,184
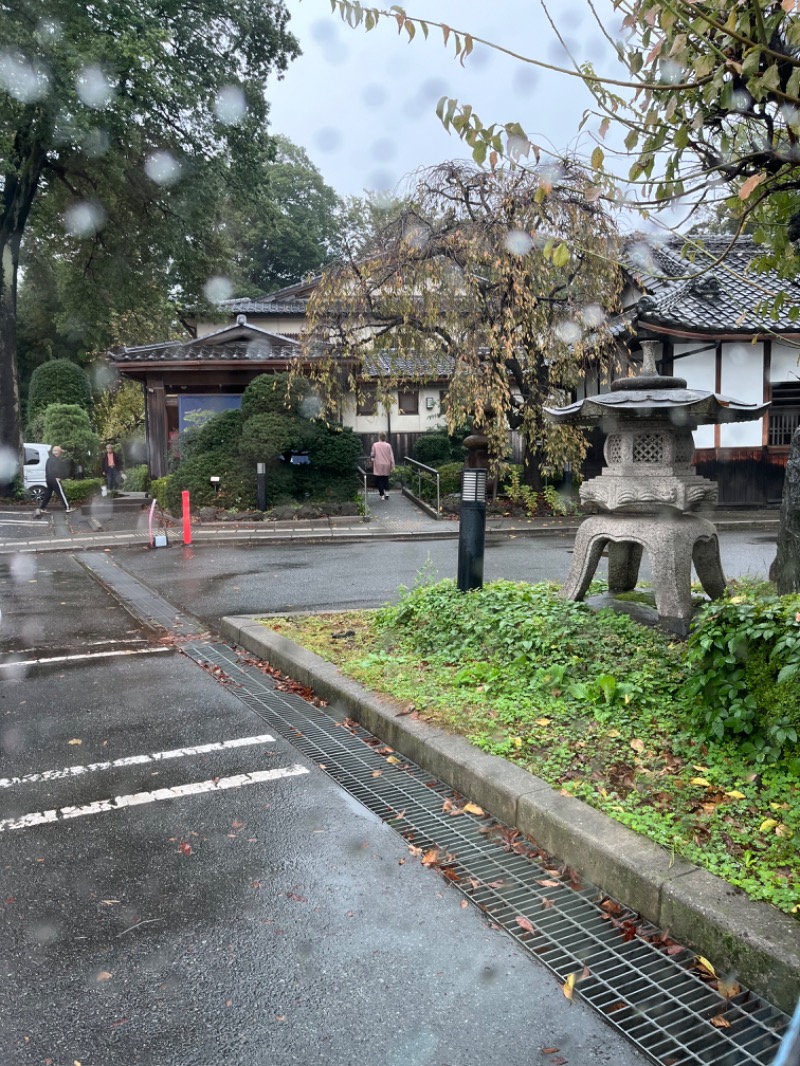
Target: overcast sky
363,104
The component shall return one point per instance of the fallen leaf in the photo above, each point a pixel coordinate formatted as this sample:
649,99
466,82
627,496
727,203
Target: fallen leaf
728,987
393,760
473,808
637,745
464,904
104,975
735,795
550,1050
704,964
543,721
75,741
184,848
700,781
569,986
767,824
548,883
720,1023
523,923
377,773
431,857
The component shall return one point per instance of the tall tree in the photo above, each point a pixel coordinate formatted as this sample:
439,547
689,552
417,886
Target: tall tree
502,278
293,229
124,114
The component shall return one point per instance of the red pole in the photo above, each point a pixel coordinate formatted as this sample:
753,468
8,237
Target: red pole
187,522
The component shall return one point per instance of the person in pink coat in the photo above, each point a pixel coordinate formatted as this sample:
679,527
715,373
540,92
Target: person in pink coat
382,458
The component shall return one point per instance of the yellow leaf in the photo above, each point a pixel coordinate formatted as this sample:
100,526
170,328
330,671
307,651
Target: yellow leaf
704,964
702,769
700,781
598,155
734,795
569,986
473,808
543,721
393,760
750,184
517,742
767,824
75,742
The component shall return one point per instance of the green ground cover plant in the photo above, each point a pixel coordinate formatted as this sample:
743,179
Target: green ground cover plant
607,710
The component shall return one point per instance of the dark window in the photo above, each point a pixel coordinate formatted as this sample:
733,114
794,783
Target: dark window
367,403
408,402
784,414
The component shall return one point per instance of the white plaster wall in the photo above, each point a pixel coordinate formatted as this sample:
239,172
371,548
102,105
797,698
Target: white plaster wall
784,365
377,423
700,372
742,379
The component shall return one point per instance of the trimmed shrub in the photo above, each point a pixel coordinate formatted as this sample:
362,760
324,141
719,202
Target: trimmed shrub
334,449
435,448
266,436
237,485
158,490
80,490
219,433
450,478
68,424
278,394
137,478
58,381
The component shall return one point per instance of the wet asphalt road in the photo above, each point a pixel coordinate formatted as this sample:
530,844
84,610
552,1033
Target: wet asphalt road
169,899
216,581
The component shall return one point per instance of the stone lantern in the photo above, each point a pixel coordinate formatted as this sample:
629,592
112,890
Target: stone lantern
649,492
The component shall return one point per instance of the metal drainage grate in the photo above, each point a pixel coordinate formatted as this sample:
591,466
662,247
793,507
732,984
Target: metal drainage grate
656,1000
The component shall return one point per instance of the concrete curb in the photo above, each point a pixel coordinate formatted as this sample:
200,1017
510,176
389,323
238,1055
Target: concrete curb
760,944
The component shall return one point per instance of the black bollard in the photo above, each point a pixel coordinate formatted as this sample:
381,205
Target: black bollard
472,529
261,485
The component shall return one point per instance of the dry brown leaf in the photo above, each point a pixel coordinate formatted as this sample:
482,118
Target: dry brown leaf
720,1023
104,975
523,923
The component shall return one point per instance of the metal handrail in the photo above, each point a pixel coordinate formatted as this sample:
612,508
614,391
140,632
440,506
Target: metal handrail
419,468
364,474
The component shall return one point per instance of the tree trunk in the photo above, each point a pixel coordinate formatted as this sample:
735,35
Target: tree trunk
23,170
785,570
10,420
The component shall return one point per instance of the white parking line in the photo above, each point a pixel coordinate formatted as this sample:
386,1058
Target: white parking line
87,655
193,788
136,760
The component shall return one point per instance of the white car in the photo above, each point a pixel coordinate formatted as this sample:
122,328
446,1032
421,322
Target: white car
33,469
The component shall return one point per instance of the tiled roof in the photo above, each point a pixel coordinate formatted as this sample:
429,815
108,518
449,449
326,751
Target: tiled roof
262,305
240,342
695,293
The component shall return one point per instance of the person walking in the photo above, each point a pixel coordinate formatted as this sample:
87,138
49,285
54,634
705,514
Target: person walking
56,469
382,458
112,468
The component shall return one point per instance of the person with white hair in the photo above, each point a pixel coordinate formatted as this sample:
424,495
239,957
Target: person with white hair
56,469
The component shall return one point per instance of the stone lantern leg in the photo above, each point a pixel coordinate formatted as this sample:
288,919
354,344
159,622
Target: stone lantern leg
649,492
